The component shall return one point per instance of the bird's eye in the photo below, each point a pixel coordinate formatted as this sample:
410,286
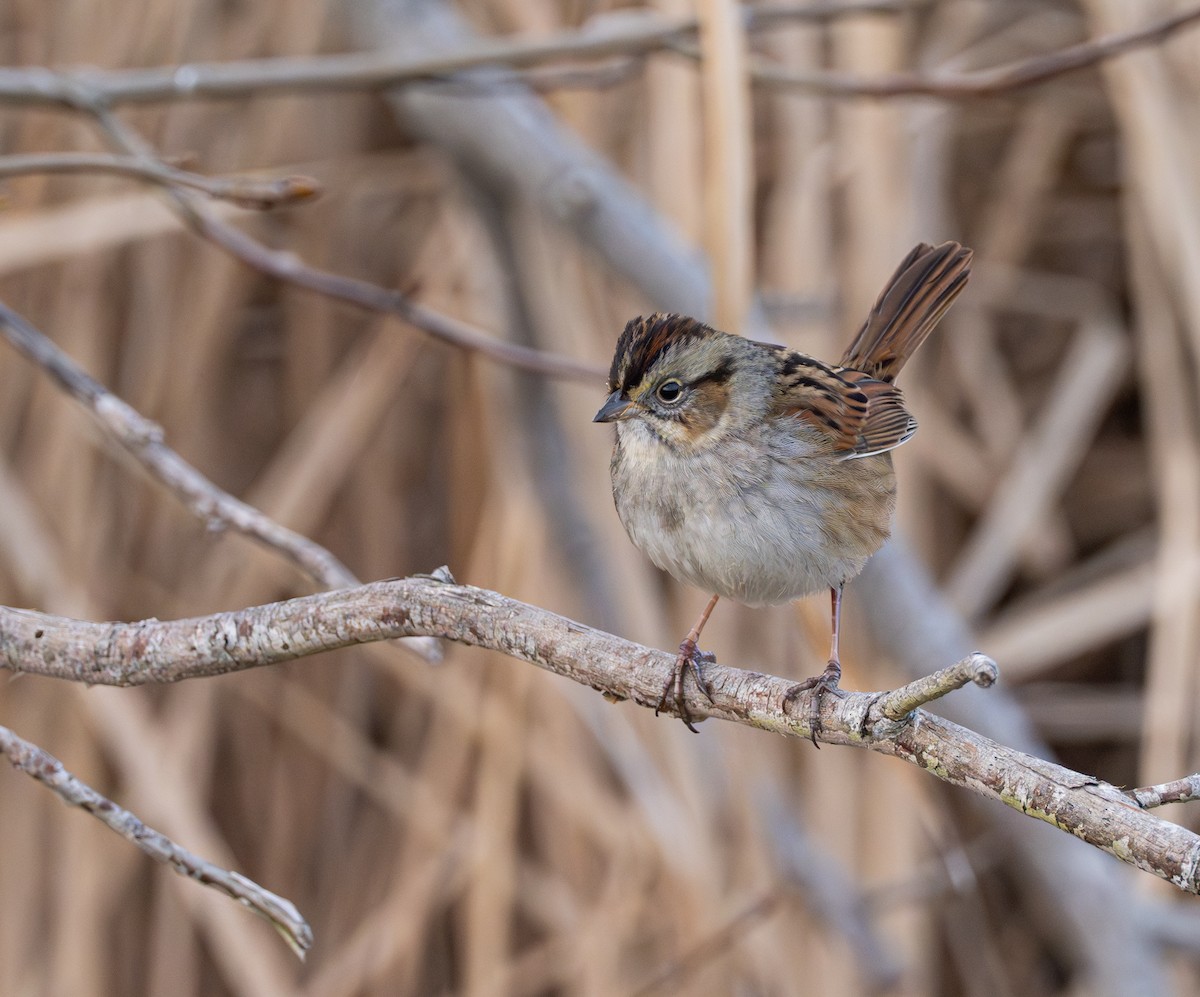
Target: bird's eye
670,391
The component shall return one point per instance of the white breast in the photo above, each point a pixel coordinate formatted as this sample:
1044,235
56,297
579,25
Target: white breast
759,524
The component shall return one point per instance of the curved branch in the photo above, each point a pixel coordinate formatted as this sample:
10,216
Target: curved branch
288,267
153,651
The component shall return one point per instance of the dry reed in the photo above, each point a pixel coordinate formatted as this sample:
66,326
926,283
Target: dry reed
479,826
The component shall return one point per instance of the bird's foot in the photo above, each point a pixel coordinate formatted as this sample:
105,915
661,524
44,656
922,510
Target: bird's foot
693,659
819,685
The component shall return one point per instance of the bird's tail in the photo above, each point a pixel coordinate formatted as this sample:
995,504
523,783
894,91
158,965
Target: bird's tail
924,285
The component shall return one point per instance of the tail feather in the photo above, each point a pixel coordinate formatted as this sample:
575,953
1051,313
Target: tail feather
924,285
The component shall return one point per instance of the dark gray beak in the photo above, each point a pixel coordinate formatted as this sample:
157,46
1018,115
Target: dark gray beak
616,406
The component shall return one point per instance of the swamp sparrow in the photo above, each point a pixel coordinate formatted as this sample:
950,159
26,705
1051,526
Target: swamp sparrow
760,474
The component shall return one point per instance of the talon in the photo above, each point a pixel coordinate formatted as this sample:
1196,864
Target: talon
690,657
819,685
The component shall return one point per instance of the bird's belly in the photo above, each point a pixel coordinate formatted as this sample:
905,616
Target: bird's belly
763,531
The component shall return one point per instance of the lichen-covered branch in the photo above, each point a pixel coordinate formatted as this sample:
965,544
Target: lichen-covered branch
154,651
976,668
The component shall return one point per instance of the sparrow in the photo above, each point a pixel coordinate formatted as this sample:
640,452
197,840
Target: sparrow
760,474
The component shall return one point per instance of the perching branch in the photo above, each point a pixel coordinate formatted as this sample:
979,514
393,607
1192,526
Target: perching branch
49,771
153,651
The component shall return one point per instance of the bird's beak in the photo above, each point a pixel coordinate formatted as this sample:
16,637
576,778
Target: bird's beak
616,406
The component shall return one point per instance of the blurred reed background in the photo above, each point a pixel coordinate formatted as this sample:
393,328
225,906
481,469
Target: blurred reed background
481,827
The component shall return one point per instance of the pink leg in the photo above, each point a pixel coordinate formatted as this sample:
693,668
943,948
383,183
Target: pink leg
691,657
828,680
835,662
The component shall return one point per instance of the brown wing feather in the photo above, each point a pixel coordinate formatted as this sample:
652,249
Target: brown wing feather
858,413
815,392
922,288
886,423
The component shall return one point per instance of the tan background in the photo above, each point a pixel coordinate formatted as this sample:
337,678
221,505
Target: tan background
479,826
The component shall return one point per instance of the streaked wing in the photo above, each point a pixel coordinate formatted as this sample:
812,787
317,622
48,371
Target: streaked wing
887,422
859,414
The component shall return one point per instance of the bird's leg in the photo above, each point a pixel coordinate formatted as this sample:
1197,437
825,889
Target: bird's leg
828,680
690,656
833,669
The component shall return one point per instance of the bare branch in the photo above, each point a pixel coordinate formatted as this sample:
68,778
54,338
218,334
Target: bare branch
88,93
97,99
143,440
49,771
246,192
153,651
1180,791
86,88
630,35
977,668
290,268
966,86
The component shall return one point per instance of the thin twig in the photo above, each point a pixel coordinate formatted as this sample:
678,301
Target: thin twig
631,35
1180,791
152,651
246,192
143,440
288,267
548,79
977,668
672,977
1006,79
49,771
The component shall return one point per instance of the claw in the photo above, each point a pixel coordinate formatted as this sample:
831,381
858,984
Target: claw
819,685
690,657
